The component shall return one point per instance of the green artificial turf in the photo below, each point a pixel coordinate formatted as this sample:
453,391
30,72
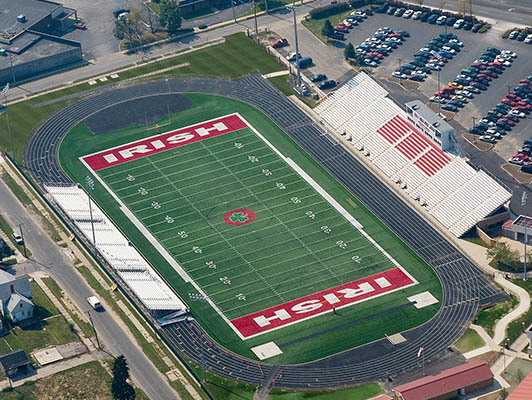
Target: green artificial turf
192,178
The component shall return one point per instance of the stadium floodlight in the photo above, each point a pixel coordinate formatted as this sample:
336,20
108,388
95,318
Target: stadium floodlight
89,183
4,92
297,48
201,297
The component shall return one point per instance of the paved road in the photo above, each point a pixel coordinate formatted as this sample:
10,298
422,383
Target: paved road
50,258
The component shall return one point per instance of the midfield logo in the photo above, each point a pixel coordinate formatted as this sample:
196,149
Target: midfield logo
323,302
239,216
163,142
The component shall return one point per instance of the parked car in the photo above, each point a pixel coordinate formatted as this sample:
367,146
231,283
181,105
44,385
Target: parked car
458,24
18,238
280,43
318,78
80,25
417,14
513,35
408,13
441,20
327,84
450,107
399,12
467,26
476,27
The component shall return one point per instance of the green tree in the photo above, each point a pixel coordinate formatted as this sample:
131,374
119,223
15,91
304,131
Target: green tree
120,388
503,253
170,16
440,4
328,29
129,27
349,51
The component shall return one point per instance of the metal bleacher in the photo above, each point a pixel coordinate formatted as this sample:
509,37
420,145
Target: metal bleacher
452,191
128,263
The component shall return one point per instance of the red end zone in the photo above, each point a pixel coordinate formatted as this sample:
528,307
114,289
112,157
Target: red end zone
163,142
322,302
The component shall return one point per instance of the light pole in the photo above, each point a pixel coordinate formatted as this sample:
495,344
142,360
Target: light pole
439,95
4,92
297,46
89,182
255,16
12,68
399,62
509,88
474,120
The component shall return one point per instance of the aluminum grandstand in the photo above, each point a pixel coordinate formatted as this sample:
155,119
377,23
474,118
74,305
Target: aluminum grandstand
452,191
125,259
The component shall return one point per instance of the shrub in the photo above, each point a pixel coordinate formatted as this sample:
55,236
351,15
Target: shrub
327,11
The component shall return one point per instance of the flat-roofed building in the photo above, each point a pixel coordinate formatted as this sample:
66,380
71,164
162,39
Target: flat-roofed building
30,42
431,125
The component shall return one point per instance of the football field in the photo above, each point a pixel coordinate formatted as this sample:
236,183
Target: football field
247,228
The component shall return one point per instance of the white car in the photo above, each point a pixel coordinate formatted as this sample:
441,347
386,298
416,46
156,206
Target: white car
449,49
399,75
458,24
417,14
456,41
465,93
434,67
510,53
18,239
507,63
408,13
441,20
292,56
528,39
494,133
517,113
487,138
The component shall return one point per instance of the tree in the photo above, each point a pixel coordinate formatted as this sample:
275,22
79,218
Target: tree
503,253
328,29
462,7
129,27
420,2
170,16
440,4
349,51
120,388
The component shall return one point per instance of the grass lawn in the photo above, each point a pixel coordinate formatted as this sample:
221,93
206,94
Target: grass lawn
316,25
85,327
236,57
515,328
360,392
49,327
469,341
488,318
85,382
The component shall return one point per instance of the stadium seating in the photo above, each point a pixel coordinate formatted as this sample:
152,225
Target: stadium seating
125,259
451,190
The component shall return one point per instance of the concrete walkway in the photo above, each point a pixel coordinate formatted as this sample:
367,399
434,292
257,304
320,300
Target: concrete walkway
478,255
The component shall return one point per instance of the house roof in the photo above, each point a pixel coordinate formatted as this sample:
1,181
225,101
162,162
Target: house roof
6,277
14,359
523,390
446,381
21,285
382,397
15,299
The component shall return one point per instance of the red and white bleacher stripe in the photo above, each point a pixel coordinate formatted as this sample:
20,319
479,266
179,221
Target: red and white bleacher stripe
414,145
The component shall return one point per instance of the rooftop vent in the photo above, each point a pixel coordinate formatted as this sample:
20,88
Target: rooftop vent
21,18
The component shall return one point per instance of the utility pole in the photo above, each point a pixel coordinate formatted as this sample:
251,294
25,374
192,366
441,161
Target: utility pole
4,92
89,182
94,329
12,68
233,8
255,16
297,47
24,242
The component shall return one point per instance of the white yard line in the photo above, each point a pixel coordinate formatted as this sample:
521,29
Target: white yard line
295,167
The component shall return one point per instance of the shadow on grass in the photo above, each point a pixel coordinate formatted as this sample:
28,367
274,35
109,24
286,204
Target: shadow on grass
40,313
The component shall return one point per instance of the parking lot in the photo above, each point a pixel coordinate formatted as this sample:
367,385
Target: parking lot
474,44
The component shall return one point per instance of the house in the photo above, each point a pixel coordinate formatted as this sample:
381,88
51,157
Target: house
14,362
448,384
15,297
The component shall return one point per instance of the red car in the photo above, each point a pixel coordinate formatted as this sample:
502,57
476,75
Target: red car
524,81
395,35
280,43
509,102
513,96
80,25
495,63
482,66
341,28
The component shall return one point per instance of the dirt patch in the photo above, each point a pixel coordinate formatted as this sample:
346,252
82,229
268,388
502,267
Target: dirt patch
515,172
489,357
